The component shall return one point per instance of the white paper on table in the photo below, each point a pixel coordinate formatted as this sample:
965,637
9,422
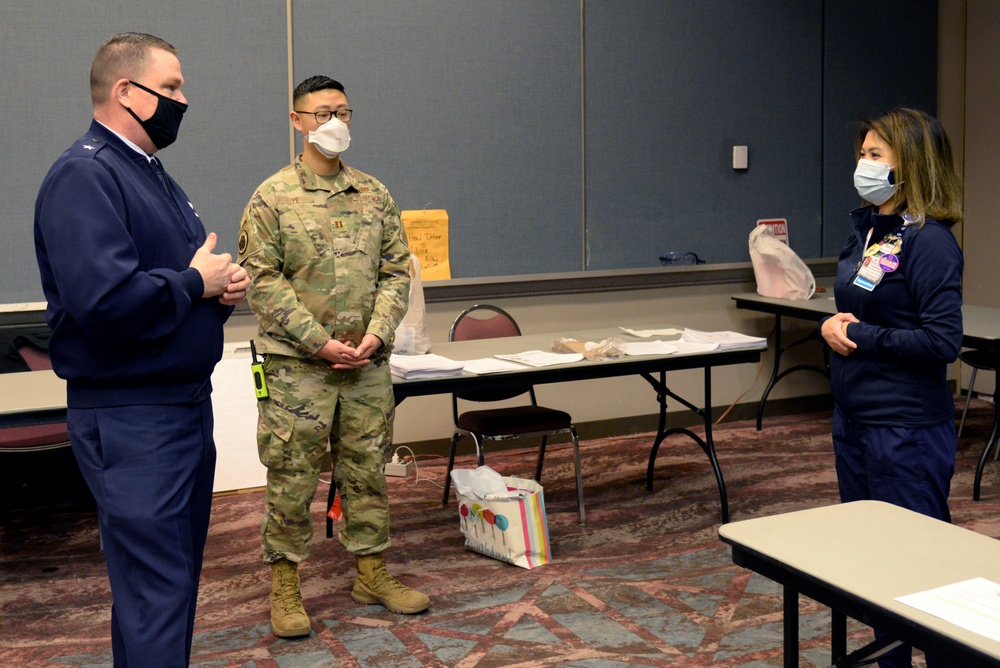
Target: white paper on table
424,362
972,604
725,340
686,347
646,333
491,365
650,348
541,358
423,366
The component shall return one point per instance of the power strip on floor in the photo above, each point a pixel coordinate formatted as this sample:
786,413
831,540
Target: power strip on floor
399,469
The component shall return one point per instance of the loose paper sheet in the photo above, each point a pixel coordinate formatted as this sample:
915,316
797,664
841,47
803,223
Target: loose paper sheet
972,604
646,333
491,365
650,348
542,358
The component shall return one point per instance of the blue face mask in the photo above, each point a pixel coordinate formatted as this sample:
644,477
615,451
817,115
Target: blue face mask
875,181
162,126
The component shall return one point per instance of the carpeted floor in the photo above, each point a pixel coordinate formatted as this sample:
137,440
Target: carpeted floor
645,582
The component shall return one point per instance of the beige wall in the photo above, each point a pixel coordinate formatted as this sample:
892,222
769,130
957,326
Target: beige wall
968,103
982,152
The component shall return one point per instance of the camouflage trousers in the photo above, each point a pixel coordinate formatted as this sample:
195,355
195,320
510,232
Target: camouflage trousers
313,407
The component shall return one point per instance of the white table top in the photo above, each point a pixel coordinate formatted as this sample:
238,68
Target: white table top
981,324
31,391
35,391
33,397
875,551
584,369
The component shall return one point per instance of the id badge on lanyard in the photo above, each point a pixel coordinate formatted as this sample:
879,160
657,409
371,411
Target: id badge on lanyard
880,259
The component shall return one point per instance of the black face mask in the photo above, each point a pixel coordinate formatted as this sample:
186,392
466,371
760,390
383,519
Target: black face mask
162,126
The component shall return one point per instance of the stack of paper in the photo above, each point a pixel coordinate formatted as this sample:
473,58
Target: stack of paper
423,366
491,365
725,340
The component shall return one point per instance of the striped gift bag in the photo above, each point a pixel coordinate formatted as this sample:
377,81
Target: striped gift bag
513,530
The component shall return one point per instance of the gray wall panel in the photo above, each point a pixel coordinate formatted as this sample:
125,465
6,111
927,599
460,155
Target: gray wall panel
880,54
671,88
467,105
474,106
233,135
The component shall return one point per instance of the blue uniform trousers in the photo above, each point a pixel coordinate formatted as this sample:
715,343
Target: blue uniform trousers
151,469
909,467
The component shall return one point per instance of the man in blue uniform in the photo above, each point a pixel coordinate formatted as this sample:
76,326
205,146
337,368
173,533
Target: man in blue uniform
137,299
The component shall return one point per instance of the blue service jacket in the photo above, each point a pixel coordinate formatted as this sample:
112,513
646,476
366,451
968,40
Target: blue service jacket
129,324
910,329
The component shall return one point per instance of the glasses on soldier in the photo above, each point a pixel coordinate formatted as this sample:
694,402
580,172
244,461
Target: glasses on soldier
322,117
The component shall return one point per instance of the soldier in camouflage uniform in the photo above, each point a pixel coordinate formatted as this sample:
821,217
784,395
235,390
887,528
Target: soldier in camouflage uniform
328,262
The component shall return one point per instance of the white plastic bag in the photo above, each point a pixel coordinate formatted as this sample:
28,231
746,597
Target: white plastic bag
412,337
780,273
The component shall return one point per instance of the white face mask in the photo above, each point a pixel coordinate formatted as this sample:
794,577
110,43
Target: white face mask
872,179
332,138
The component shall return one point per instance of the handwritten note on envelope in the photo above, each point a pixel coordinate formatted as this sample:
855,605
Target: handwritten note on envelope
428,235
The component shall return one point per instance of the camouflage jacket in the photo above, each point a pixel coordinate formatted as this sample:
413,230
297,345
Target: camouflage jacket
327,258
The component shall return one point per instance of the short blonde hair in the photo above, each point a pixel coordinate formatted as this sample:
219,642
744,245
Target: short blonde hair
925,166
122,56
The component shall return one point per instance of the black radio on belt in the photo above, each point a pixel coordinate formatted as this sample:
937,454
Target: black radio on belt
257,368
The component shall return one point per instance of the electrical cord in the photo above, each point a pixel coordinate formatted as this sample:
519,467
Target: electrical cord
760,368
416,467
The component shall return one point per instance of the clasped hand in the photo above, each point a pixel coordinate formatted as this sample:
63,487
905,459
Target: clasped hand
347,356
221,276
834,332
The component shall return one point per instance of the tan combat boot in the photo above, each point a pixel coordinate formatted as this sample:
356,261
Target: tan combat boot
375,585
288,617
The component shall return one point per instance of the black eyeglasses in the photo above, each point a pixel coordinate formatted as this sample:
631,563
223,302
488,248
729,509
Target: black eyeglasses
322,117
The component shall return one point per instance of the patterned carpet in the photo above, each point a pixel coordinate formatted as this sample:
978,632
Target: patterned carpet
646,582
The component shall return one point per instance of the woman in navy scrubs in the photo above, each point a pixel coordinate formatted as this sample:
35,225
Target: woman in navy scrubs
899,323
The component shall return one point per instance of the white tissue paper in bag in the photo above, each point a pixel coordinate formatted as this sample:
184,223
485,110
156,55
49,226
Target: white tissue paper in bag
482,483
